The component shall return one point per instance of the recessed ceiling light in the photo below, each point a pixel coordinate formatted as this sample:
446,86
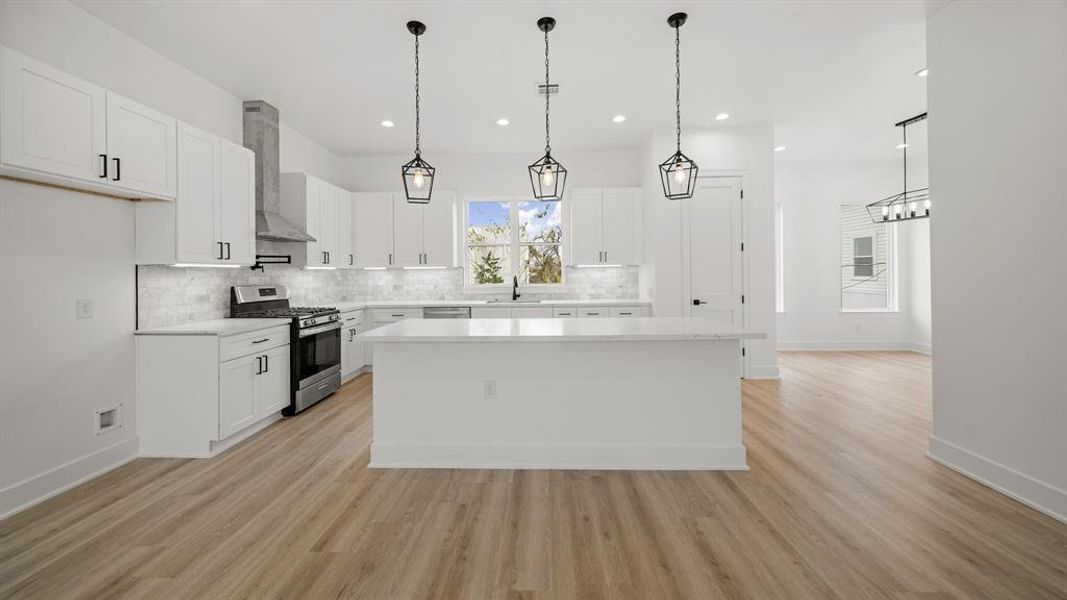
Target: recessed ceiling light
922,72
387,123
502,122
618,118
902,146
722,116
779,148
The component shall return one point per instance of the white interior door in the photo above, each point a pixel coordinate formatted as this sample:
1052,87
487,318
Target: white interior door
619,226
407,231
714,250
51,121
374,229
586,235
198,232
237,202
140,147
438,230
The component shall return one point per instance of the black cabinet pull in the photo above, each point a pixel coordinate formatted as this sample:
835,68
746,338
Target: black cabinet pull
104,175
118,169
259,361
327,258
266,364
261,341
227,251
351,259
698,302
220,249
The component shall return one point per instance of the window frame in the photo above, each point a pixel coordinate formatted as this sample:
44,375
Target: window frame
515,248
892,258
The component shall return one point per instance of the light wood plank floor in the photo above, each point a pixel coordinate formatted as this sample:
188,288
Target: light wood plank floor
841,502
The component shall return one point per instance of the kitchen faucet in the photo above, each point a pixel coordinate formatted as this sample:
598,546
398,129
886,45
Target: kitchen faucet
515,288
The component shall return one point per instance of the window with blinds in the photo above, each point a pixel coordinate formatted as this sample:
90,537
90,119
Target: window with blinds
867,262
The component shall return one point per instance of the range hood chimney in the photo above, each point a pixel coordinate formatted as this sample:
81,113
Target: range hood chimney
261,137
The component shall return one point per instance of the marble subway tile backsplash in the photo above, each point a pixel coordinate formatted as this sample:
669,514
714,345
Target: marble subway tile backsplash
174,295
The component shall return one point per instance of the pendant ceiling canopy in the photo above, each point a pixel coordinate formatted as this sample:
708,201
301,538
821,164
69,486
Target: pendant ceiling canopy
547,175
908,204
418,174
679,172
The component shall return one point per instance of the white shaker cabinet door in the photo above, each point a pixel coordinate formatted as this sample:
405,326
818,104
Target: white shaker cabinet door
196,205
272,384
618,219
407,232
586,228
438,230
51,122
329,227
237,397
374,229
237,203
140,148
346,252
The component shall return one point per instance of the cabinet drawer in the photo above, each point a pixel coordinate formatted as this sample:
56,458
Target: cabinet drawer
236,346
531,312
564,312
629,311
391,315
593,311
490,312
351,318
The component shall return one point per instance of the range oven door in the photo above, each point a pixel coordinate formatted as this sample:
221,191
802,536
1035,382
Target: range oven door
317,355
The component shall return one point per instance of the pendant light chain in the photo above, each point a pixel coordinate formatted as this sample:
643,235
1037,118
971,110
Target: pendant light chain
678,88
548,146
418,149
905,130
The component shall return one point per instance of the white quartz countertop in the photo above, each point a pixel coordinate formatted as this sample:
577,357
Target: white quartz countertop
556,330
219,327
350,306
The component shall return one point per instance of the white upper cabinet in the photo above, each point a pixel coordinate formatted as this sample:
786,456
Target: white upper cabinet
212,220
604,228
407,232
140,147
52,122
374,229
314,205
346,247
237,202
439,230
57,128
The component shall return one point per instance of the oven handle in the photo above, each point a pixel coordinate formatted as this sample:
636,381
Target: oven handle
320,329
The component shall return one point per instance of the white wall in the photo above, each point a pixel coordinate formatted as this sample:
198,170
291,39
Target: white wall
997,90
57,246
811,194
721,151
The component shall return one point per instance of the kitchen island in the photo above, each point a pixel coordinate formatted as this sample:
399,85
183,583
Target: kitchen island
637,393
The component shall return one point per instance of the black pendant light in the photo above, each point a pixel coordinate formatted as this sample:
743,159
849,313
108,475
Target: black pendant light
678,173
418,174
547,175
908,204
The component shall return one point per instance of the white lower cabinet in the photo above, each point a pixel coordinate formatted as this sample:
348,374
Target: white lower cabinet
630,311
200,394
531,312
352,347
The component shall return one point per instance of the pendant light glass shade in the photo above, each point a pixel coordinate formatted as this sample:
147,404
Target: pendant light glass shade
547,175
418,174
679,172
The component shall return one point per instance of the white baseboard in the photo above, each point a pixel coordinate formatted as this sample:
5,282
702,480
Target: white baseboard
1032,492
658,457
853,346
29,492
764,372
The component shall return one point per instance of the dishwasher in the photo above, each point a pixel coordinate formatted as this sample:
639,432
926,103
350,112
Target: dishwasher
446,312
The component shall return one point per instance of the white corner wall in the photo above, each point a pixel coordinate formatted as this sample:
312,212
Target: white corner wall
745,152
998,124
57,246
811,194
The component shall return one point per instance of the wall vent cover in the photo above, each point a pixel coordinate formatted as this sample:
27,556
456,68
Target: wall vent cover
107,419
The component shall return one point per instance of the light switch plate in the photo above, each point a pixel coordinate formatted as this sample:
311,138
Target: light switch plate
489,389
84,308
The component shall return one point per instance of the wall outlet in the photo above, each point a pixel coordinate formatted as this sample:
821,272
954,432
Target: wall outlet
84,308
489,389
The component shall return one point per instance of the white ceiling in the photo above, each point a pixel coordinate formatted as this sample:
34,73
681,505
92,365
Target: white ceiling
830,76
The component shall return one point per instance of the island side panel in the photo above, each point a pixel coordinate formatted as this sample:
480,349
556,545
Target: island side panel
597,404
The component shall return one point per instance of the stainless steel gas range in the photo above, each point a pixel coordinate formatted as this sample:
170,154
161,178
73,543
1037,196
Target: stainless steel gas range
315,340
